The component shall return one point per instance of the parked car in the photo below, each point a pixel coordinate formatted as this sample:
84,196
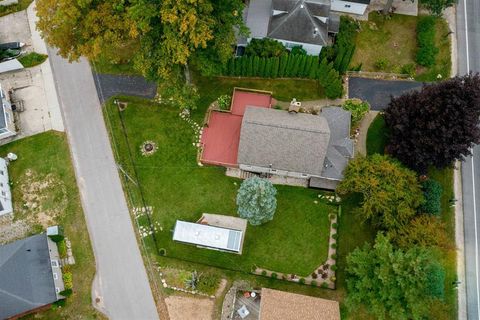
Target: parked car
11,45
8,54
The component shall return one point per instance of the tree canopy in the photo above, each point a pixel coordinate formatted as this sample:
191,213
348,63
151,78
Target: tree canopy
436,125
393,283
256,200
169,33
391,192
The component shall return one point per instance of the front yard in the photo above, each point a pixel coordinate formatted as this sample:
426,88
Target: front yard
394,41
296,241
45,193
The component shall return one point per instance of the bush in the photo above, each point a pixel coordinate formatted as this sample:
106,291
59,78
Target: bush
32,59
409,69
335,236
381,64
298,50
432,190
314,275
358,108
60,303
274,275
208,282
437,6
334,256
302,280
313,283
333,279
162,251
62,249
57,238
330,80
324,285
335,225
265,48
224,102
333,267
334,245
67,280
264,273
427,52
66,292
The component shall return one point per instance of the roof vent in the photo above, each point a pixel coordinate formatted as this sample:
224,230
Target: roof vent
315,31
302,6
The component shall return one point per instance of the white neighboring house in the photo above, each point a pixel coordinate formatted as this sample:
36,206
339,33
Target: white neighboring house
305,23
7,124
353,6
5,193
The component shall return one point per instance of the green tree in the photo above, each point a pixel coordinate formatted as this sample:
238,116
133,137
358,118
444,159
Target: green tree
265,48
256,200
432,190
250,66
393,283
276,64
423,230
283,65
391,192
256,66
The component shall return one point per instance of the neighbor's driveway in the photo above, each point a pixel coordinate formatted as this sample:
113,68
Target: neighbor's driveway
379,92
110,85
121,282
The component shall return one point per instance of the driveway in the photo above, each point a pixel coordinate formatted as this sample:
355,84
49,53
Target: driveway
378,92
112,85
121,288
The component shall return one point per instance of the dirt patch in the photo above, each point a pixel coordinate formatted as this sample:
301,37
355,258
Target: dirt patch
12,230
43,199
184,308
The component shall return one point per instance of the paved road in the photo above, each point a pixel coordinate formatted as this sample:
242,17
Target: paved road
112,85
121,281
468,37
378,92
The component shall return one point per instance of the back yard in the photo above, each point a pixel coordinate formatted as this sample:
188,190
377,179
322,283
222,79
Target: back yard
390,45
177,188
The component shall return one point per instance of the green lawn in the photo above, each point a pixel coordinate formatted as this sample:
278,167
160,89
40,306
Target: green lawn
32,59
377,136
21,5
395,41
177,188
39,157
283,89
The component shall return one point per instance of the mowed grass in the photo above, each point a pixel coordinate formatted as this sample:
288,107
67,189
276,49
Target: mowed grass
48,153
32,59
377,136
296,241
395,40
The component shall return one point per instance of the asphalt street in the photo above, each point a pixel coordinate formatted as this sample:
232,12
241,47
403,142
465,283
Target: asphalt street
121,282
468,39
378,93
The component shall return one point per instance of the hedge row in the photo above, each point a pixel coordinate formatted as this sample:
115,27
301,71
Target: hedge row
345,44
287,65
427,52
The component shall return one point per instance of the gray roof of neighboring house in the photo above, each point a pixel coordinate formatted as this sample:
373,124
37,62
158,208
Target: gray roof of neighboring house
258,17
3,121
297,142
299,22
288,141
26,279
294,20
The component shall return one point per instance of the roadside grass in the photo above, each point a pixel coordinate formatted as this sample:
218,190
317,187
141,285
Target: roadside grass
21,5
296,241
377,136
211,88
32,59
48,153
394,40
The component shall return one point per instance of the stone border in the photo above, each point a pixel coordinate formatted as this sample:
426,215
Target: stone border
325,268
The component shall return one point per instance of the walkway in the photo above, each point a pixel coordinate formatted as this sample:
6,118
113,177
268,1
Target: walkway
121,288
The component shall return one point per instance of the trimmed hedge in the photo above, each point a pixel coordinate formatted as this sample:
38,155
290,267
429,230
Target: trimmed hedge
427,52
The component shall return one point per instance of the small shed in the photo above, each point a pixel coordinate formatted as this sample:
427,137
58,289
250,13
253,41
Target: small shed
209,236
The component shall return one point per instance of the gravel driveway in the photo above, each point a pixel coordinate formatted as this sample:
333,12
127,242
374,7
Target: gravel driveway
379,92
112,85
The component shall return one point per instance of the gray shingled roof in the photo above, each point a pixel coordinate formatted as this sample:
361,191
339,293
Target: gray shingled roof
26,279
292,142
258,17
315,145
298,22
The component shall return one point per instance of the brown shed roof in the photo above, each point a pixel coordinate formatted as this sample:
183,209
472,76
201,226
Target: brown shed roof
283,305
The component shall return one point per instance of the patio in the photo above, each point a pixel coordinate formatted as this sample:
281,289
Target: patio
252,304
